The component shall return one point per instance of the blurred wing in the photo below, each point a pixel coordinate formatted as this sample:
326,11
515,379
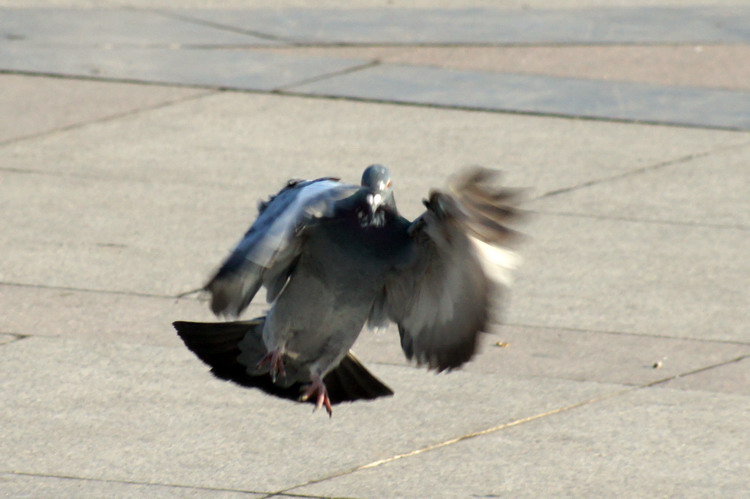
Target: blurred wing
267,253
443,299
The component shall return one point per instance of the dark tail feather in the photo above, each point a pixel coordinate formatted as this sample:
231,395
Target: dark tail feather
216,344
350,380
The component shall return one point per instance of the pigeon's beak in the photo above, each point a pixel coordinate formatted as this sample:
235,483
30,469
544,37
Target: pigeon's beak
374,200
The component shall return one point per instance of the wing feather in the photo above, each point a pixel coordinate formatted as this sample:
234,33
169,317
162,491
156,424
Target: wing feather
443,300
269,250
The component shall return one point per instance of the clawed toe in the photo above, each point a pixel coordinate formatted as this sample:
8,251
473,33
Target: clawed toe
317,386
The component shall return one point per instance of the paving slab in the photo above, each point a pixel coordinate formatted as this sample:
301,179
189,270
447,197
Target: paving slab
614,358
255,142
127,236
650,278
32,486
526,352
98,316
711,66
117,411
259,71
726,24
575,97
696,191
651,442
59,27
218,155
40,105
222,68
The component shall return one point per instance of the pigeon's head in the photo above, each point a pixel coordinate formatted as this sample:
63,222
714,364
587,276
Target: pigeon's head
378,187
376,179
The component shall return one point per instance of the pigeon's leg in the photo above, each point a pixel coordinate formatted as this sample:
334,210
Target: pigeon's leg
275,362
275,335
317,386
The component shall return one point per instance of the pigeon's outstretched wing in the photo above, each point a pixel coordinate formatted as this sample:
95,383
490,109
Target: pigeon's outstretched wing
267,253
442,300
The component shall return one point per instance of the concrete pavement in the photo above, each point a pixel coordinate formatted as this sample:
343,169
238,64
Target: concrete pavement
134,147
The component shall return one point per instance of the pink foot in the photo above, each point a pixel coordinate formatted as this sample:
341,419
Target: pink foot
275,362
317,386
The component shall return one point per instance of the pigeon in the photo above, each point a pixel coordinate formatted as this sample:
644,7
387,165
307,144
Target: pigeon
334,257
